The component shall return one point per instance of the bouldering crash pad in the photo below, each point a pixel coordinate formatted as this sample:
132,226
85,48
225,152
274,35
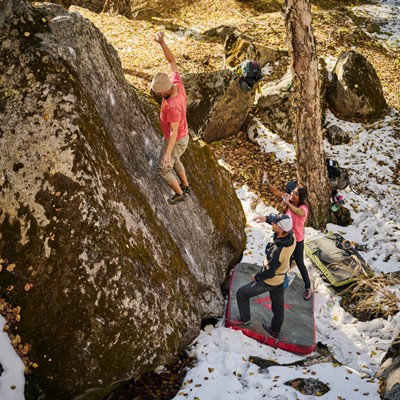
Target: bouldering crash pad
298,330
337,259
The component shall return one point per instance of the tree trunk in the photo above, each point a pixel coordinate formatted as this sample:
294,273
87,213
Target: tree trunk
121,7
310,155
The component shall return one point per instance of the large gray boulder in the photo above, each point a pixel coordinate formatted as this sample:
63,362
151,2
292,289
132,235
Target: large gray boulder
216,105
389,371
111,280
274,106
239,48
95,6
356,91
145,14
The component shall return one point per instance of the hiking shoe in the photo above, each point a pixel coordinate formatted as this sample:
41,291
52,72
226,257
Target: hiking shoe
238,322
177,198
185,189
273,333
307,294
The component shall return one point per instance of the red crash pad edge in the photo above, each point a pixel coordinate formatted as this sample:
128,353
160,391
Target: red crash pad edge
266,339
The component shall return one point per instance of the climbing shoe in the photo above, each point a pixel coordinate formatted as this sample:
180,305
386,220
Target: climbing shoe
185,189
273,333
177,198
307,294
238,322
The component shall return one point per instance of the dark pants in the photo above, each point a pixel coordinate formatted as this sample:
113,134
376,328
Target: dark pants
277,294
298,256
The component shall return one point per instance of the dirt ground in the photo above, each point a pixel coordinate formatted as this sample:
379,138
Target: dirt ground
184,21
335,29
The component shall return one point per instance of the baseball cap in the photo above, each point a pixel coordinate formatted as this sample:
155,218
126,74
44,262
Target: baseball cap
282,220
290,186
161,82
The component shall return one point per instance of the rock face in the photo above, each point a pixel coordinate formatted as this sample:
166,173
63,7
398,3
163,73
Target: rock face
92,5
145,14
220,32
274,106
216,105
118,280
355,91
239,48
390,371
337,135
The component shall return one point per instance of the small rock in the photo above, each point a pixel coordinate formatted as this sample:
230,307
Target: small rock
373,27
337,135
309,386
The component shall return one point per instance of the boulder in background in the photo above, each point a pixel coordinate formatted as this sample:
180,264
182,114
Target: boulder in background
216,105
356,91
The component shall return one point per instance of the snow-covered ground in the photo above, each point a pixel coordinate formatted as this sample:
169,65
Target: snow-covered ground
12,379
223,370
369,157
385,13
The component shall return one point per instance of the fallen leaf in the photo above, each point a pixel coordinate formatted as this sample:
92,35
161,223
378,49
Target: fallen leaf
25,349
28,286
10,267
16,340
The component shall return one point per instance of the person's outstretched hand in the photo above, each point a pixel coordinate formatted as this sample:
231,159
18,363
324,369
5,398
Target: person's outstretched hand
159,38
265,179
259,218
286,198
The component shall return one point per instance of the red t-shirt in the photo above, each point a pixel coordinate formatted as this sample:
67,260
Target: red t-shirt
174,109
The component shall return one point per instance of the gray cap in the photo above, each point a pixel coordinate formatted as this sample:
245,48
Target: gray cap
282,220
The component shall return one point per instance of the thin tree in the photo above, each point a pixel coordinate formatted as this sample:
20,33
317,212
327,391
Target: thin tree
306,107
